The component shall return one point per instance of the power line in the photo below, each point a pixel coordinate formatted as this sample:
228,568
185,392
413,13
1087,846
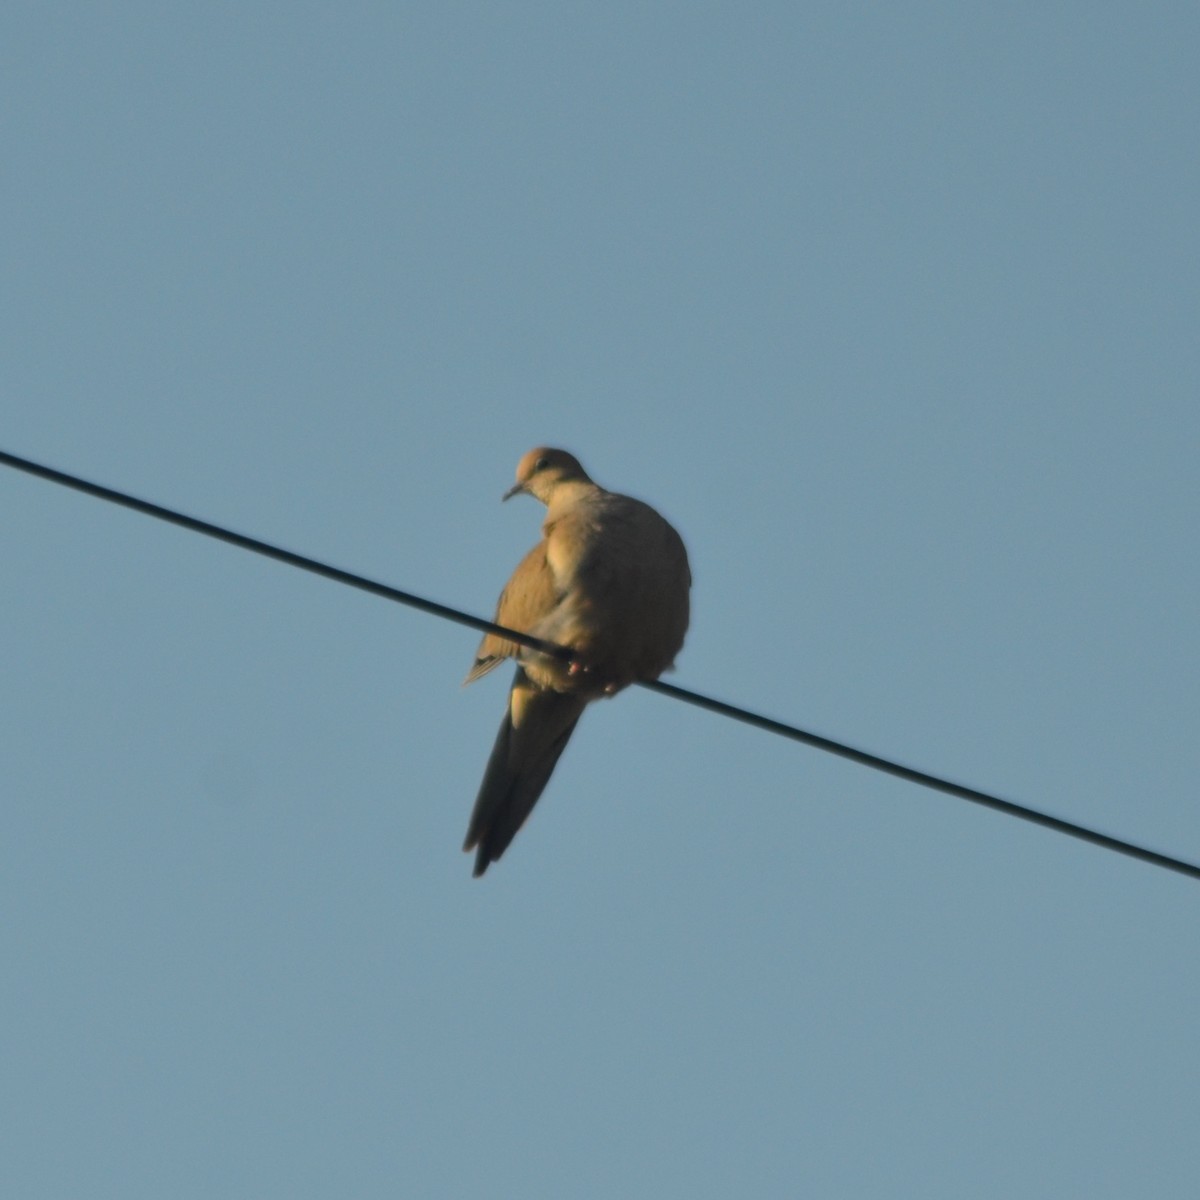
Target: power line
444,611
278,553
863,758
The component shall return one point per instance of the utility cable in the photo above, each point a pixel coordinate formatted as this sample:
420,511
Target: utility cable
862,757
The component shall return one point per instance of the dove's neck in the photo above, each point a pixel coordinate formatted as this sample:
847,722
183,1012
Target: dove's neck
568,493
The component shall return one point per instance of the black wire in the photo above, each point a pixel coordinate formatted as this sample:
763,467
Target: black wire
925,780
279,554
666,689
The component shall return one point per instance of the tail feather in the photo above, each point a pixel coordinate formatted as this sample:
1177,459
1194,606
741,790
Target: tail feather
535,730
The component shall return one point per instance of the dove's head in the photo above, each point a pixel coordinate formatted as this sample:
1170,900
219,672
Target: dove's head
543,470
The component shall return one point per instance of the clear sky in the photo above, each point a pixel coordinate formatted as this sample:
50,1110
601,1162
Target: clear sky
892,309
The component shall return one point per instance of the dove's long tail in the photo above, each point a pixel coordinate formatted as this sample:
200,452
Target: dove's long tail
532,735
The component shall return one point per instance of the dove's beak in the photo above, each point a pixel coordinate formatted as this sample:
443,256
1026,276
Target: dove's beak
515,490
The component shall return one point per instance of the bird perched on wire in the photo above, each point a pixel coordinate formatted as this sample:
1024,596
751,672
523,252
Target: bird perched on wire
609,580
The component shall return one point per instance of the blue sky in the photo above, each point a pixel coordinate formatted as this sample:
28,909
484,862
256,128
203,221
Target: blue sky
892,311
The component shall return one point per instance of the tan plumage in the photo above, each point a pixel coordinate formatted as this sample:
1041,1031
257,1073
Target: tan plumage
610,580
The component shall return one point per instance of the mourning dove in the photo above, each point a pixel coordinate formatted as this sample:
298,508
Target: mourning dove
609,580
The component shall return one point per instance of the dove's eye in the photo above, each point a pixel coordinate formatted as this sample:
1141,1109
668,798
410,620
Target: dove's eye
541,464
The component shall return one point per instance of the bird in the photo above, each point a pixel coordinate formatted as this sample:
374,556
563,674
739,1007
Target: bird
609,581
